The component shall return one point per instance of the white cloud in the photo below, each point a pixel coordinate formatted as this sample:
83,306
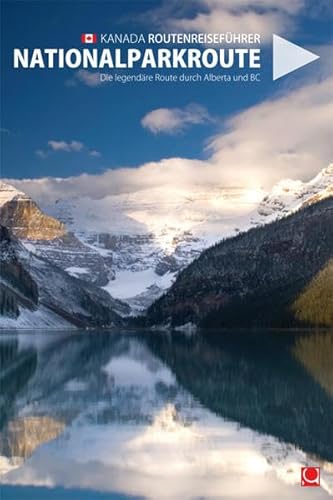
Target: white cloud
169,172
286,136
173,120
95,154
73,146
89,78
76,146
67,147
289,6
41,153
240,16
247,22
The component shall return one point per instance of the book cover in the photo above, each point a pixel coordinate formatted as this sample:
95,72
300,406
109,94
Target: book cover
166,249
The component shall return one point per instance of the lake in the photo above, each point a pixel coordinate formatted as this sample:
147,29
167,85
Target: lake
132,414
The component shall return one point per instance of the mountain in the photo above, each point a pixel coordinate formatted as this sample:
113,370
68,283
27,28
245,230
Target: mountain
150,237
36,293
24,218
279,274
147,237
47,237
134,245
289,195
315,304
27,433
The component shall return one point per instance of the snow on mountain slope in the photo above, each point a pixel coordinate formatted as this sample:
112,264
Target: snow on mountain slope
8,193
152,234
47,237
40,318
36,293
134,244
289,195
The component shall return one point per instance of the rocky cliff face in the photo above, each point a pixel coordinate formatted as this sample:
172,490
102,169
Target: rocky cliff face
47,237
24,218
147,255
13,276
74,257
23,435
257,278
35,292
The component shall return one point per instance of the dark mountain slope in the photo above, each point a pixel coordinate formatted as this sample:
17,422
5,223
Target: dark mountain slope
259,278
35,292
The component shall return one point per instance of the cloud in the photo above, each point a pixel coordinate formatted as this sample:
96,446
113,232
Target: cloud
116,181
95,154
173,120
288,136
89,78
41,153
238,16
75,146
248,22
288,6
67,147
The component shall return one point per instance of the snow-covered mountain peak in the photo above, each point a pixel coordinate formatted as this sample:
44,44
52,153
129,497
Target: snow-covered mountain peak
152,234
48,237
289,195
24,218
9,192
323,180
326,172
137,242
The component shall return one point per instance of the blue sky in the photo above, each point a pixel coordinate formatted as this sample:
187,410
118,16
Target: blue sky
39,106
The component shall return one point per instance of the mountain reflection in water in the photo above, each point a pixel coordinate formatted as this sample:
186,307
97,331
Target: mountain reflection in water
161,415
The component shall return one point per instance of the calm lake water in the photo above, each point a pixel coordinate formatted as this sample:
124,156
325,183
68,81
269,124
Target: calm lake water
225,415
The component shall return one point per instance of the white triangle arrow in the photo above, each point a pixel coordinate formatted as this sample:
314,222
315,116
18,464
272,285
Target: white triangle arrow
288,57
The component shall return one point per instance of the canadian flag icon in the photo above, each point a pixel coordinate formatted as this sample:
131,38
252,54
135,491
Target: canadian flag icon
89,38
